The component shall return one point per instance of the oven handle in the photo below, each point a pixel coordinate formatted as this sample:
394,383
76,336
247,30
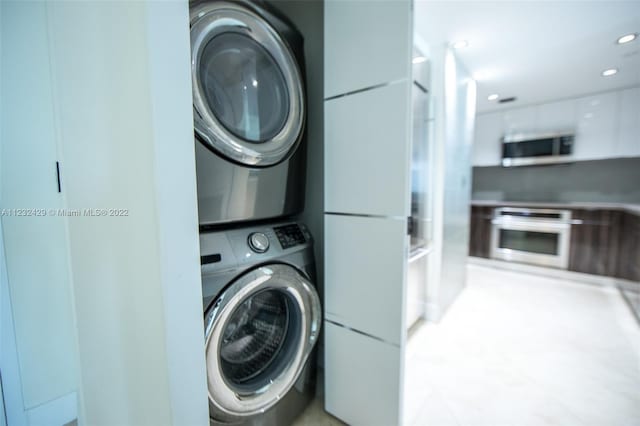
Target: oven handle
532,225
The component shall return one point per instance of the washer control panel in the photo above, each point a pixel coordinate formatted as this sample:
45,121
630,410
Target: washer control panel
290,235
258,242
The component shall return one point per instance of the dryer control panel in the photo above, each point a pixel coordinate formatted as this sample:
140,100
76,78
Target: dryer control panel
290,235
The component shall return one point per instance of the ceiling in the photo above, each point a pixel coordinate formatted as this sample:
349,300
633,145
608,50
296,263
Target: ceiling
539,50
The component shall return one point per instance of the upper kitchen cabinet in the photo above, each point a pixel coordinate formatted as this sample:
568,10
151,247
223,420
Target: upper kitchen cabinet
628,143
556,117
596,127
606,125
520,120
486,146
363,54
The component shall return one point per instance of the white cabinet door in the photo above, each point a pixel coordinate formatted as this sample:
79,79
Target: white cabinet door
596,130
557,117
366,152
363,378
487,142
519,120
366,44
628,142
364,284
35,237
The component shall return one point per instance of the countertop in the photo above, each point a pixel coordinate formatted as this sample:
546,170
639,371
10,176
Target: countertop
631,208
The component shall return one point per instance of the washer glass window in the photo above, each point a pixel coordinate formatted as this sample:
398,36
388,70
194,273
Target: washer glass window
254,339
244,87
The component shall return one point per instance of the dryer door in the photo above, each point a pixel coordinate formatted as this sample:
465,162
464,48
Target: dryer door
248,96
259,334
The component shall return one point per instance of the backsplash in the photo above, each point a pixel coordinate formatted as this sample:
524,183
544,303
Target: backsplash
614,180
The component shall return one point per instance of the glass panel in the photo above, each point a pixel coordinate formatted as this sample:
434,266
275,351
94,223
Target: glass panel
244,87
419,168
529,241
254,336
536,148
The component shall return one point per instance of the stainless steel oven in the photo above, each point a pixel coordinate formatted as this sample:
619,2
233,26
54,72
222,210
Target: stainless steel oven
536,236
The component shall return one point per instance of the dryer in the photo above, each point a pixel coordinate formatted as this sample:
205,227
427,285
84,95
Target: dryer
249,104
262,318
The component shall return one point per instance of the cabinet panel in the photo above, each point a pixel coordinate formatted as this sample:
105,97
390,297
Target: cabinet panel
364,376
364,284
480,231
487,144
519,120
557,116
359,49
628,260
367,153
628,143
596,127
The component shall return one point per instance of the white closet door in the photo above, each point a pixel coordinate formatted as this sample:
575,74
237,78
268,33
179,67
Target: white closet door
367,201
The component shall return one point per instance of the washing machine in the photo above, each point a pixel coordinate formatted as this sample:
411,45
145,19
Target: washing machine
249,104
262,318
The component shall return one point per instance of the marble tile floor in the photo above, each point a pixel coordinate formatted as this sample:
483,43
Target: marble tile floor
521,350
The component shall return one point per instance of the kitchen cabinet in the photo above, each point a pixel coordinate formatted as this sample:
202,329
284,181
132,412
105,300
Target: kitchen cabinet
519,120
627,264
556,117
606,125
480,232
487,146
596,127
594,241
604,241
628,138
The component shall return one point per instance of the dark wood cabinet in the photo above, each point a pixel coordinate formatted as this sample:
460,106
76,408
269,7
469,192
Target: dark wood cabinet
628,256
606,242
480,232
603,241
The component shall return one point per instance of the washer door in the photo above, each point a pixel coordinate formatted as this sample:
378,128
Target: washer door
259,334
248,97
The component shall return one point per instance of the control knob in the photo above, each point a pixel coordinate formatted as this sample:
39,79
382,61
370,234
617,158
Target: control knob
258,242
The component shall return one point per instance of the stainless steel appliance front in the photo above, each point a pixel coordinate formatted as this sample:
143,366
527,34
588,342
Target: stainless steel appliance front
524,149
536,236
249,112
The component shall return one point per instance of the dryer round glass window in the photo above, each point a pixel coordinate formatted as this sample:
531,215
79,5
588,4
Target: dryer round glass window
248,95
244,87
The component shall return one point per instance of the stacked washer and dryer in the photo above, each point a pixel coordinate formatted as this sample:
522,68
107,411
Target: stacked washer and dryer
261,310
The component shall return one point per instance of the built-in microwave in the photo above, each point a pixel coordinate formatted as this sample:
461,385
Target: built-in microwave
529,149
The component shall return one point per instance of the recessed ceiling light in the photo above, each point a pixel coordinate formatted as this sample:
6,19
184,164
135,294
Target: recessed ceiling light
460,44
419,59
493,97
627,38
609,72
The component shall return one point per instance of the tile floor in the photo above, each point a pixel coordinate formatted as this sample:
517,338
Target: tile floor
522,350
